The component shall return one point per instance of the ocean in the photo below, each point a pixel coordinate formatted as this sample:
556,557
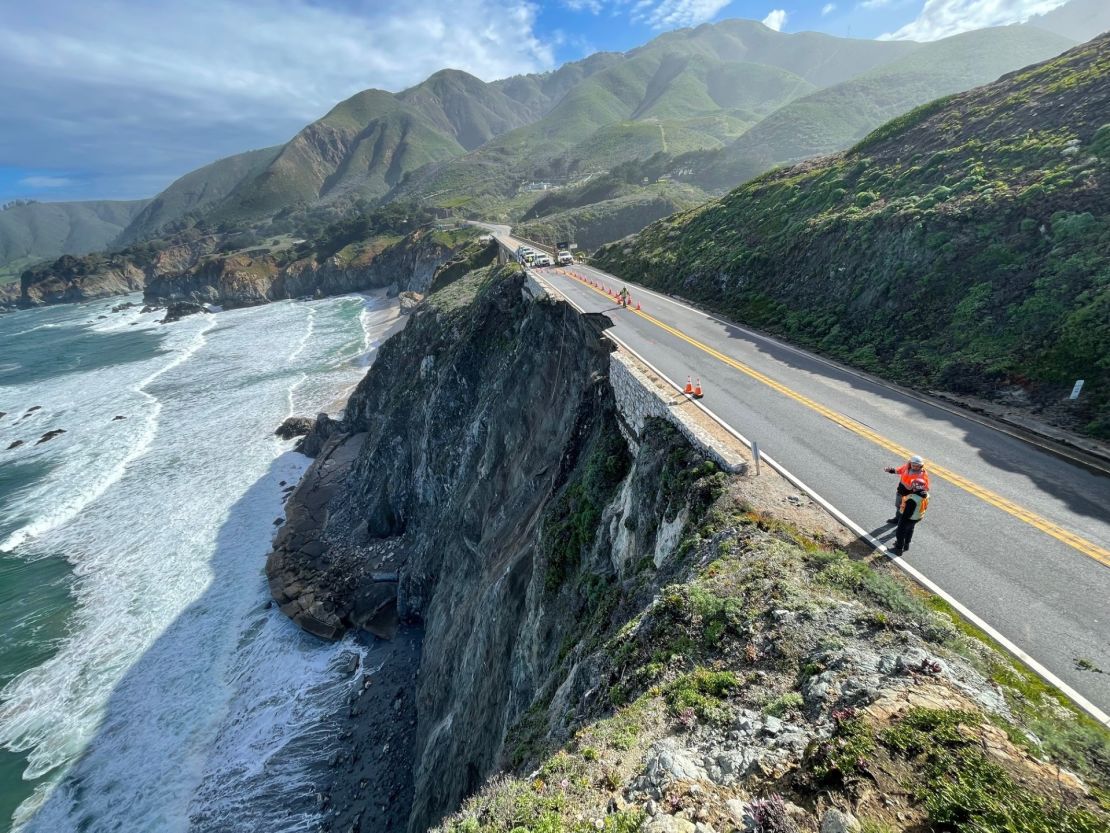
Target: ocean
145,682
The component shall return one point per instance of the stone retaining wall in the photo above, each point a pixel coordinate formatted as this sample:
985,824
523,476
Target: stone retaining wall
639,397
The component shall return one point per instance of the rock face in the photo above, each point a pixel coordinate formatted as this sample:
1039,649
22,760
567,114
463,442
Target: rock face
481,437
70,280
242,280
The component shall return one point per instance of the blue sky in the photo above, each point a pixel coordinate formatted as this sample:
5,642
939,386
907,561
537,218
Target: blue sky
115,99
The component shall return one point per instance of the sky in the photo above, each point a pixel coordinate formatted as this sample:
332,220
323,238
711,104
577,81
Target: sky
116,99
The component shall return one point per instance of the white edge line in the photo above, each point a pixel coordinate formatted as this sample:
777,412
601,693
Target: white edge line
755,337
1046,675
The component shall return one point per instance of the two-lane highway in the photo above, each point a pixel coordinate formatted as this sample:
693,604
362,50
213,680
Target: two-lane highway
1016,534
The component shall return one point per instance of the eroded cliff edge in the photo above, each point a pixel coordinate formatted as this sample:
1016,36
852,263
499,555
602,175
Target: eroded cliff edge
636,640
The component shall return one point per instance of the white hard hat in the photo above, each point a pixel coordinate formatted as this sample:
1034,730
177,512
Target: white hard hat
916,460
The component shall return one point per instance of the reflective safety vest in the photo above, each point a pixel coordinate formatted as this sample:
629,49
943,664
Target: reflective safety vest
906,476
920,502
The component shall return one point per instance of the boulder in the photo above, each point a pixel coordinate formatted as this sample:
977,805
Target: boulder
295,426
669,824
49,435
409,301
181,309
837,821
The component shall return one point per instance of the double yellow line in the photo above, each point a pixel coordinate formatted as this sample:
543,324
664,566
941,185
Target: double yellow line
1089,548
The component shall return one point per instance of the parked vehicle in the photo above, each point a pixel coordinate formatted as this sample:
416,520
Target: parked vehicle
565,257
543,260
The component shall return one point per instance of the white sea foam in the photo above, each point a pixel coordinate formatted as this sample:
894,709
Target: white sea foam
89,482
178,701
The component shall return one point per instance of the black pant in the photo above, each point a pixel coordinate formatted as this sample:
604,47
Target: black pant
904,534
900,493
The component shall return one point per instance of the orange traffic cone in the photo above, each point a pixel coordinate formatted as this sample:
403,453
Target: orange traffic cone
637,306
689,386
697,389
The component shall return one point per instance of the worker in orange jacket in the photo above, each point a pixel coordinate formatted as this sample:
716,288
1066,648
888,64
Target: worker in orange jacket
913,469
911,511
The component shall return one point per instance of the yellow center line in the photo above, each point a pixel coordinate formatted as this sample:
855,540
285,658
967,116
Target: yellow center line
1089,548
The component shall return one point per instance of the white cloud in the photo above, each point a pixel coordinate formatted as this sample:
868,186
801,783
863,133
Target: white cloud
592,6
669,14
874,4
775,19
45,181
828,8
132,90
941,18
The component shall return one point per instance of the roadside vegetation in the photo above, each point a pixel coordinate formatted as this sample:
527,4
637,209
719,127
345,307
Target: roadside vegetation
964,246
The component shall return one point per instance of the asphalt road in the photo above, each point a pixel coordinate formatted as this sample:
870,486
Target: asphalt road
1018,535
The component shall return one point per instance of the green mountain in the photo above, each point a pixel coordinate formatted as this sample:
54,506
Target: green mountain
725,101
1079,20
33,231
963,246
684,91
838,116
366,145
194,193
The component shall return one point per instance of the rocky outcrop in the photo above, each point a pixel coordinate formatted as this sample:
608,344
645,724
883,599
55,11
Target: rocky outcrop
295,426
245,279
181,309
476,463
71,280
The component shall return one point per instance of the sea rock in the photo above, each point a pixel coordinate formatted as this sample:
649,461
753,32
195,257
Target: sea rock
15,444
49,435
180,309
295,426
123,306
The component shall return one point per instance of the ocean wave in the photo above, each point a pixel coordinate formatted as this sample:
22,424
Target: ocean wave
82,495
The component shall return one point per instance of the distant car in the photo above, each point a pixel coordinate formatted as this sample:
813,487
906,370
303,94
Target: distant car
565,257
543,260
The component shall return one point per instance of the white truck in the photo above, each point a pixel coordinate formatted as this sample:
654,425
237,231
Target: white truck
564,257
543,259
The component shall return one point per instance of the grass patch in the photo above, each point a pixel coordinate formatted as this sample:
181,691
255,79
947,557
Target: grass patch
1060,730
961,789
702,692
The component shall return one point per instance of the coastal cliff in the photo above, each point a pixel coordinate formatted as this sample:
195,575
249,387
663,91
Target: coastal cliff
242,279
596,629
198,272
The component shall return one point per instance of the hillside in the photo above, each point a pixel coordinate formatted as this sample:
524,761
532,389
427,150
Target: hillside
1079,20
34,231
725,101
193,193
964,246
687,90
834,118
